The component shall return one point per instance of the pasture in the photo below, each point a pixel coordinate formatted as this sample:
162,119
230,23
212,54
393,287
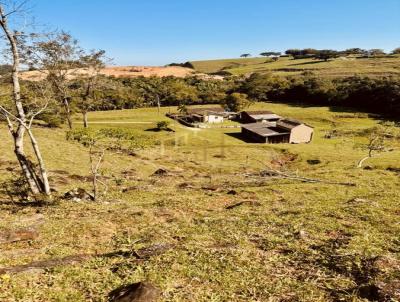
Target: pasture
215,227
340,67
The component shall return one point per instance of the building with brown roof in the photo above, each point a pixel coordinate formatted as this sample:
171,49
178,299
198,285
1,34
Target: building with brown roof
265,133
283,131
299,131
248,117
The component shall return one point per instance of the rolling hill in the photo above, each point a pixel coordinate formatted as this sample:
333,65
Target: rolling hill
120,71
340,67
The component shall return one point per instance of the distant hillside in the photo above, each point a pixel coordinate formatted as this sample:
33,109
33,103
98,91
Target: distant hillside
340,67
122,71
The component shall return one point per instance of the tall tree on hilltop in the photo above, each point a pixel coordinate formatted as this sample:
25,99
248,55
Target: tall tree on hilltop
327,54
270,53
245,55
396,51
376,52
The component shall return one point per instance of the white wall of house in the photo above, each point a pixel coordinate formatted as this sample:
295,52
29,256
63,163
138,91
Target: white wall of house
301,134
213,119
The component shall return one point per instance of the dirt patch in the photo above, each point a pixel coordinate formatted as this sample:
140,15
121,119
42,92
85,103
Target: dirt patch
120,71
42,266
81,178
25,229
154,250
60,172
10,236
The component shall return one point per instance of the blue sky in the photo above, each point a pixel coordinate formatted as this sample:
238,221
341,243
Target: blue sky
158,32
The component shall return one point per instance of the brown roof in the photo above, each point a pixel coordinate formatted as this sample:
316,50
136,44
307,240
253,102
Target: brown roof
203,111
289,123
260,112
265,129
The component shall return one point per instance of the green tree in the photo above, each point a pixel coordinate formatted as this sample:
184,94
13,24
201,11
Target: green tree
211,91
182,109
236,102
264,87
270,53
153,88
396,51
354,51
327,54
245,55
177,92
376,52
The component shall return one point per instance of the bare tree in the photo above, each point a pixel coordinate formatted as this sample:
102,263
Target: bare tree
19,122
96,156
92,64
378,142
57,57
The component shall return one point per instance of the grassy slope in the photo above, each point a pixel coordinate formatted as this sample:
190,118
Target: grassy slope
278,247
288,66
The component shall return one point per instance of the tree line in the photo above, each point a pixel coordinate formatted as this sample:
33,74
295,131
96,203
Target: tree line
375,95
326,54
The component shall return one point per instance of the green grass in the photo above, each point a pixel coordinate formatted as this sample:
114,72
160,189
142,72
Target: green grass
290,241
287,66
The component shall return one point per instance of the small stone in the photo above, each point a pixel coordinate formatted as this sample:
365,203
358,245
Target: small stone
231,192
160,172
136,292
78,194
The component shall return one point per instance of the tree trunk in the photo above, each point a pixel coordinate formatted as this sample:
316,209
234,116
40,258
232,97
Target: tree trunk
34,182
26,167
95,188
360,163
158,103
42,166
85,119
68,113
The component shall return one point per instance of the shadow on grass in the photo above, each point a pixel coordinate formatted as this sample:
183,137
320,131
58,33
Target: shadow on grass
159,130
307,63
241,137
28,204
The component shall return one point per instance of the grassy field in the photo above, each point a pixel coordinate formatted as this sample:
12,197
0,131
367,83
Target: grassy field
226,233
287,66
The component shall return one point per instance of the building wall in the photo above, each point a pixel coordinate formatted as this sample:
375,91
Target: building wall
213,119
279,139
301,134
253,136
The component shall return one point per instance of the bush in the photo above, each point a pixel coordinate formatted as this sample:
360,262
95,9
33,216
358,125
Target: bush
116,139
163,125
16,188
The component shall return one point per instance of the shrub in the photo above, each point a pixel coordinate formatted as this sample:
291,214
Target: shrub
117,139
162,125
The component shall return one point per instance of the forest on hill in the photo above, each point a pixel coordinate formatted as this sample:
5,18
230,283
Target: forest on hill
365,94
